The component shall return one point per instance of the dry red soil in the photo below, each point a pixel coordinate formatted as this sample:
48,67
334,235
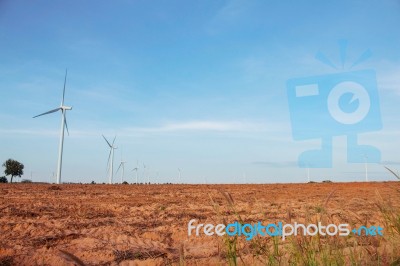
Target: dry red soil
44,224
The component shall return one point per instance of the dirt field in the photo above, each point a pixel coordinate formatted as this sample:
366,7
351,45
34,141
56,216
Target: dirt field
147,224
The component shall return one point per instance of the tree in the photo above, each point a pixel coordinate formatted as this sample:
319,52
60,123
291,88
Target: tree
3,179
13,168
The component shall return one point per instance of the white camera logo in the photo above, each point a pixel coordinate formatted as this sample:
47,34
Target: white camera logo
345,103
359,93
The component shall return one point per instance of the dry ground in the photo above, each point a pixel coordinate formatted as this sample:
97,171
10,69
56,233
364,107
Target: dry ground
147,224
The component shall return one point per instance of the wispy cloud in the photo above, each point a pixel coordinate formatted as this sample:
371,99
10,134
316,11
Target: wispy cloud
390,162
277,164
228,14
223,126
41,132
189,127
390,78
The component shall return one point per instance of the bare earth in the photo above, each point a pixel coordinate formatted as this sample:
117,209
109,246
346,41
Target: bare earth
147,224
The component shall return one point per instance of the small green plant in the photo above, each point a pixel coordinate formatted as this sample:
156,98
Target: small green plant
319,209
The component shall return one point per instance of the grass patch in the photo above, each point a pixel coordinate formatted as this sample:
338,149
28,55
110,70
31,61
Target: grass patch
312,250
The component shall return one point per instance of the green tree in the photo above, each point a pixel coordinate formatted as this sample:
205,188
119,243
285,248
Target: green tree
3,179
13,168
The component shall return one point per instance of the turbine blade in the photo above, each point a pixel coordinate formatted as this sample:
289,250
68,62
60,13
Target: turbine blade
118,168
65,81
107,141
114,141
49,112
65,122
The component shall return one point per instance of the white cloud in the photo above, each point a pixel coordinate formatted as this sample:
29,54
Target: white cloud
41,132
222,126
227,15
389,78
189,126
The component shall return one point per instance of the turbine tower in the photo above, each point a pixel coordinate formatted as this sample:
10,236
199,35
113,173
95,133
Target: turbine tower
148,175
110,156
144,172
366,167
179,176
64,125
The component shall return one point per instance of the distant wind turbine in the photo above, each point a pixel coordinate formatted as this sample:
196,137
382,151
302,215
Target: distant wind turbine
64,125
308,172
110,163
136,169
366,167
179,177
122,164
144,172
123,170
148,175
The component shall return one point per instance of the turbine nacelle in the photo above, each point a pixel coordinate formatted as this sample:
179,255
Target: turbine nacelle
66,107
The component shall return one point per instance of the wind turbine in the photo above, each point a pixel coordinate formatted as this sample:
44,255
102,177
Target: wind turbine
122,164
110,156
136,169
148,175
64,125
179,177
144,172
366,167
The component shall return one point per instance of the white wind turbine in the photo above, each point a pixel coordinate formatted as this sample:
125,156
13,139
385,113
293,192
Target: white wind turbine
144,172
110,156
366,167
64,110
122,164
136,169
148,175
179,175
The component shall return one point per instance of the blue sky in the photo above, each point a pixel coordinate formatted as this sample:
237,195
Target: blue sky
195,85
